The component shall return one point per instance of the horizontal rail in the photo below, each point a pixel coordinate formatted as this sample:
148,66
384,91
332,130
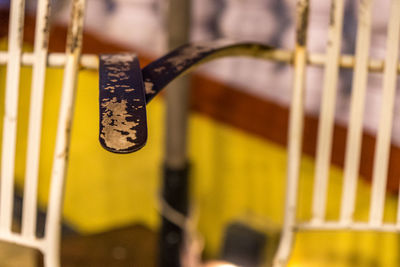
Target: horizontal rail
56,60
31,242
90,61
355,226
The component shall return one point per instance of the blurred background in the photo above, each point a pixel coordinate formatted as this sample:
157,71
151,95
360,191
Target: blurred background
237,126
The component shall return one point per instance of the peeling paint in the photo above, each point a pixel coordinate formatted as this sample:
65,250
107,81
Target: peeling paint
188,53
302,22
332,13
75,29
121,87
149,87
46,26
117,131
119,59
119,75
160,69
21,22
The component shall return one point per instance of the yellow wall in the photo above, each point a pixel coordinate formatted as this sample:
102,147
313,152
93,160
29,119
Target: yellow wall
235,176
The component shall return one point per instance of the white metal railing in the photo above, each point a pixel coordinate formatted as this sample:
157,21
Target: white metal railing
362,65
39,59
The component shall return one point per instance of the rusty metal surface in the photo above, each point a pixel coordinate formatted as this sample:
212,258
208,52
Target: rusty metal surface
161,72
125,89
123,126
302,22
75,30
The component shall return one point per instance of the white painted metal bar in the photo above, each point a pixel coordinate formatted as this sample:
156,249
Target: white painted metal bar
54,211
89,61
357,226
35,119
326,118
354,134
15,238
11,113
55,60
295,135
382,150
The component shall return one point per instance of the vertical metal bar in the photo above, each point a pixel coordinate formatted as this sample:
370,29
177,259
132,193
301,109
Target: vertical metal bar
16,32
35,118
354,134
176,169
327,113
73,52
381,159
177,95
295,135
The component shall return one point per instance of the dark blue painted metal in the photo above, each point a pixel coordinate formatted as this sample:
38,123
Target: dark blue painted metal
125,89
162,71
123,123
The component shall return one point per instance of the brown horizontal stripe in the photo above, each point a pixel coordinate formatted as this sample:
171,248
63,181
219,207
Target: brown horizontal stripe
229,105
269,120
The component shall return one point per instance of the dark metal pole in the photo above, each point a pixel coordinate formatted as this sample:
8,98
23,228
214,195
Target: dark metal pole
176,168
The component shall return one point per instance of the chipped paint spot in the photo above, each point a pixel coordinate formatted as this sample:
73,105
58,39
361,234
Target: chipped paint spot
119,75
21,22
113,68
120,132
149,87
118,59
75,29
46,27
117,131
332,14
193,51
160,69
187,53
302,22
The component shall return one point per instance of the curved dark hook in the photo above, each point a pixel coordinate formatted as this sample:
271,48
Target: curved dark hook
161,72
125,89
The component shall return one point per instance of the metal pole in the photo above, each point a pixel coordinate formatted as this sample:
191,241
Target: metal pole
176,168
177,94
